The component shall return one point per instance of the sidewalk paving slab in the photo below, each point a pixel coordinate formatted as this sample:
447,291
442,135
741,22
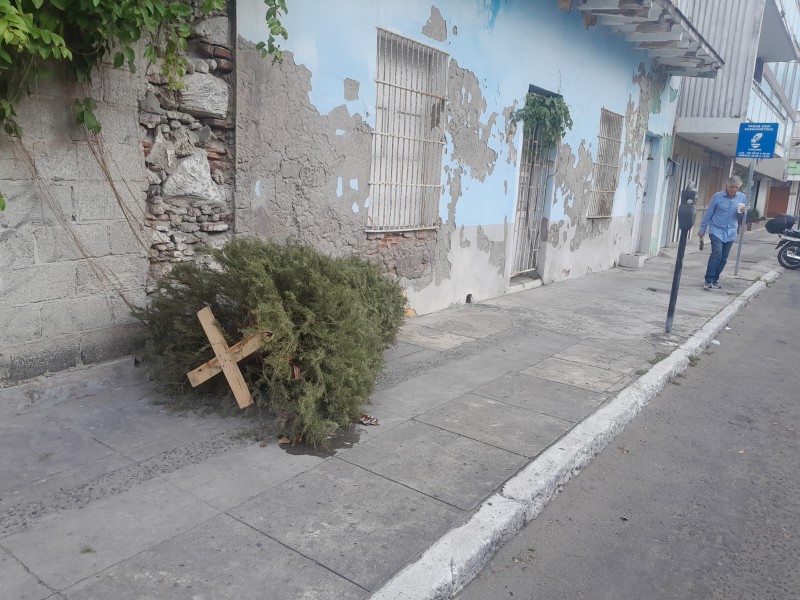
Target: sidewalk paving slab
468,397
452,468
355,522
36,445
68,547
519,430
227,480
17,582
557,400
222,559
575,374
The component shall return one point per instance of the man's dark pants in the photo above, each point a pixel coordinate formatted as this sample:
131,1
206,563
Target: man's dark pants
718,258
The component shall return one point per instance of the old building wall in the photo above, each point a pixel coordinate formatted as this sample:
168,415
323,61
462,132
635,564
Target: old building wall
636,219
305,130
92,219
283,150
187,137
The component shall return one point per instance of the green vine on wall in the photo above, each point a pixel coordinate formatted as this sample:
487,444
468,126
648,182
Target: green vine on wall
545,118
275,10
81,34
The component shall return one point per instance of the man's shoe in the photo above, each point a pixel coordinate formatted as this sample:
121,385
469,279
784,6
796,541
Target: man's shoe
715,285
707,285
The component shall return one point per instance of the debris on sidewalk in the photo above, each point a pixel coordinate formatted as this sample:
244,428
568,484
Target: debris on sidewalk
366,419
295,440
715,342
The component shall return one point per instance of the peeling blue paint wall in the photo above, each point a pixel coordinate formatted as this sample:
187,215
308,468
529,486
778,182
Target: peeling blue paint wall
508,45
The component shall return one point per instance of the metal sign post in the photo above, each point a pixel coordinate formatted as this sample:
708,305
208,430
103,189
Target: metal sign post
744,218
755,141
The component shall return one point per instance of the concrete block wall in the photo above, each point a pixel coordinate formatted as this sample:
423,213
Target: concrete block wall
70,261
82,240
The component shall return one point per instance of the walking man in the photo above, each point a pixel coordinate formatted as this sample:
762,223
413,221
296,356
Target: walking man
722,220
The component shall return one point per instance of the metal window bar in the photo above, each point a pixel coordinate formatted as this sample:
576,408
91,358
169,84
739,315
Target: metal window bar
408,139
535,169
606,167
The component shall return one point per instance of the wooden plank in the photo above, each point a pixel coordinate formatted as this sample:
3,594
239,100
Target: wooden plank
239,351
229,366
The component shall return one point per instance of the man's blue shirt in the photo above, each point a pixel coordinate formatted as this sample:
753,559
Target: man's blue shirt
722,216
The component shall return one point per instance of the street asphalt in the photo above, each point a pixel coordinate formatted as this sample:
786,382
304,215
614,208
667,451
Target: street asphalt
106,494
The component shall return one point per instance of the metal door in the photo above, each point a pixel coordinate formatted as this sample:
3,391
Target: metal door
534,173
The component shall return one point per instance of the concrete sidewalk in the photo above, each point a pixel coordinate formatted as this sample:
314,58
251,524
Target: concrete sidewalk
105,494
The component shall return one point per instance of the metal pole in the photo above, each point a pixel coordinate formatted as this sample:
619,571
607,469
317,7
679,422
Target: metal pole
744,218
676,280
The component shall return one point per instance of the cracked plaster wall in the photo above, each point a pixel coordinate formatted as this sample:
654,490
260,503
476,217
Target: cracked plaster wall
295,163
596,244
304,132
300,175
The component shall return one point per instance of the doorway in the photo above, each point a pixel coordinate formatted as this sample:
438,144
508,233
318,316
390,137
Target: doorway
535,169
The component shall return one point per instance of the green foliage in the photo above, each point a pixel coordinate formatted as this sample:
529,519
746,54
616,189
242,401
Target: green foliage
84,114
81,34
546,117
331,319
753,215
275,10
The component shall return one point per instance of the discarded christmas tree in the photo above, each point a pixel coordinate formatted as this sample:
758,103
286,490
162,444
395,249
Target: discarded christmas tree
331,319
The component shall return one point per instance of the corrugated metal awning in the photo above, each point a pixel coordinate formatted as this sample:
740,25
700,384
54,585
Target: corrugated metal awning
659,28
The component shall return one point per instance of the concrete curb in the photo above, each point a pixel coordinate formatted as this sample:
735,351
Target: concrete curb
456,558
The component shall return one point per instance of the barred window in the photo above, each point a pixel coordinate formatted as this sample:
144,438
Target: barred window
606,167
408,139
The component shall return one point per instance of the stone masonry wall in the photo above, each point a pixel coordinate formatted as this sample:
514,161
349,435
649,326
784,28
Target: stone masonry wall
188,144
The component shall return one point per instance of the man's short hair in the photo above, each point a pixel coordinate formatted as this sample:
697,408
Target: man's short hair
735,180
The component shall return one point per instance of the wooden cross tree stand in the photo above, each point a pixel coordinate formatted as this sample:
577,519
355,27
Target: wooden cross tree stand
227,359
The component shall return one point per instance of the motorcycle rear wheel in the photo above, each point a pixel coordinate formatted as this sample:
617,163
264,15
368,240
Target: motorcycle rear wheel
789,256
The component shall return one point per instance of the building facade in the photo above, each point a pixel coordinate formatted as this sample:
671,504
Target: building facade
386,132
760,83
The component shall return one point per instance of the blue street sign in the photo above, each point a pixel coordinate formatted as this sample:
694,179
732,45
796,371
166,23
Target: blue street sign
756,140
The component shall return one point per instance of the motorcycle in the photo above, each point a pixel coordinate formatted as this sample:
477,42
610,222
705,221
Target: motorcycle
789,243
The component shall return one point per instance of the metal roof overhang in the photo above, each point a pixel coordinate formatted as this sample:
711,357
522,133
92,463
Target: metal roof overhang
661,30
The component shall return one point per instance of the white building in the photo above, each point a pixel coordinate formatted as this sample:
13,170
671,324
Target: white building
759,83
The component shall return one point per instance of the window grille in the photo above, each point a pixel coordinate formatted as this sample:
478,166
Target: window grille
606,167
408,139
